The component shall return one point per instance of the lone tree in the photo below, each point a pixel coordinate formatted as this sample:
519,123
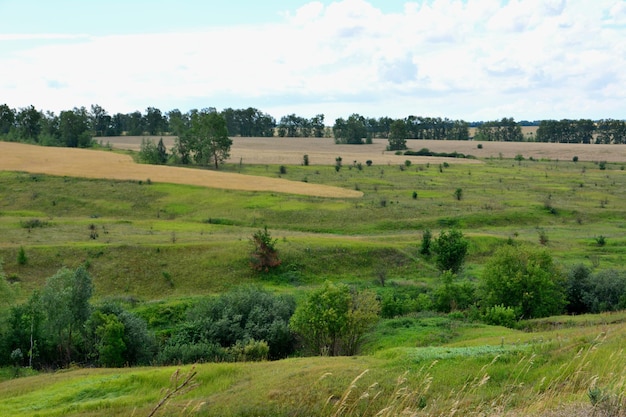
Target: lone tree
397,136
450,249
207,139
265,255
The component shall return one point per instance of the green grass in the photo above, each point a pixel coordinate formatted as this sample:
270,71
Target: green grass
160,246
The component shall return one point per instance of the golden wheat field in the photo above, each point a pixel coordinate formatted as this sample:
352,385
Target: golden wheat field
103,164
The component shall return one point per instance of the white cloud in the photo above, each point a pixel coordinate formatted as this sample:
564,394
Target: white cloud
473,59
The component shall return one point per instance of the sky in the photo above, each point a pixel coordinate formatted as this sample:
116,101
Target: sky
471,59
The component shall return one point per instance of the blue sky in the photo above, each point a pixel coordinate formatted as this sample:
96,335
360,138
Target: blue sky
471,59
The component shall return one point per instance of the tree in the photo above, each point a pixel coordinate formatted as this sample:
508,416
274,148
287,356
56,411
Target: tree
101,122
265,255
351,131
65,302
208,138
525,279
397,136
74,128
27,121
154,121
333,319
7,119
450,249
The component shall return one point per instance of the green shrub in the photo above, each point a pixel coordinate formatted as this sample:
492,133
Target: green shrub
500,315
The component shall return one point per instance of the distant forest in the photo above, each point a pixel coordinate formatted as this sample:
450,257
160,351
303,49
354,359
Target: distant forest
78,127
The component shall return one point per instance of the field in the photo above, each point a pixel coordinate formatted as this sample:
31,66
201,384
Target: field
323,151
185,233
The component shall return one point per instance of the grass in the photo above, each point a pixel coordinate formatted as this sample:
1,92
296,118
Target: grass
160,246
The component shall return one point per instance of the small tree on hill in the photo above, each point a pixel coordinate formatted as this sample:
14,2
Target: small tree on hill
265,255
451,248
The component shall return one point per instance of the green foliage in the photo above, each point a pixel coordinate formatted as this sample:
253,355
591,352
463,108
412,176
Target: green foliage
233,318
22,259
453,294
305,160
458,194
524,279
206,141
333,319
351,131
65,301
450,248
265,255
499,315
150,153
110,345
397,136
427,241
605,291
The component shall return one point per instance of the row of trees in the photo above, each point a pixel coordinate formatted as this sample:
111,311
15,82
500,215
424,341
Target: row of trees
606,131
76,127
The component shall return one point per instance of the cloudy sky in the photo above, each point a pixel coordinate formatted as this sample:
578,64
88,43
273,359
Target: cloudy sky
470,59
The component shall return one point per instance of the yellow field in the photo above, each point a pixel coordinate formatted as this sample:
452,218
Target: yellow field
109,165
323,151
288,151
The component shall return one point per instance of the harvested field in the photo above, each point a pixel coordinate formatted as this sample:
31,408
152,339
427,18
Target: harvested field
323,151
102,164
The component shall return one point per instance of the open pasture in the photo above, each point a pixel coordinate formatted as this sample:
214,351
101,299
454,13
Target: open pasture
162,243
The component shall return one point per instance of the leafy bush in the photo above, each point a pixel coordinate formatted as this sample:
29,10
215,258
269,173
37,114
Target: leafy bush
524,279
238,317
500,315
333,319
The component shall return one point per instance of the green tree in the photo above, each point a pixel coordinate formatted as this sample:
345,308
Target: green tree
450,248
333,319
208,138
65,302
265,255
149,153
110,345
427,240
28,123
74,128
397,136
524,279
351,131
7,119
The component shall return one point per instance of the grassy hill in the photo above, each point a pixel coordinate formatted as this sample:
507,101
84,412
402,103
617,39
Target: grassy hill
151,243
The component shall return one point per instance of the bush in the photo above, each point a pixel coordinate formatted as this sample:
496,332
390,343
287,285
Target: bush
499,315
524,279
238,317
333,319
305,160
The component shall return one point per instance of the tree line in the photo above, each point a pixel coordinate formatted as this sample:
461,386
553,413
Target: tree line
77,127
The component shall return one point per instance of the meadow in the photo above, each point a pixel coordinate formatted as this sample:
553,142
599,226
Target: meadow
160,242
